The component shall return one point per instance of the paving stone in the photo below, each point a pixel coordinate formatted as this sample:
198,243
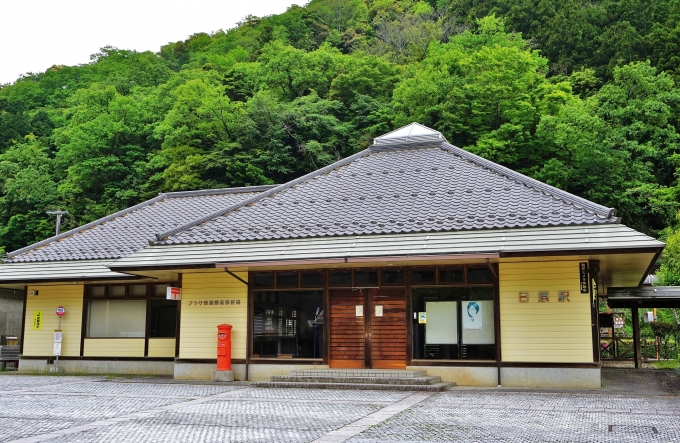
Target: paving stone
91,409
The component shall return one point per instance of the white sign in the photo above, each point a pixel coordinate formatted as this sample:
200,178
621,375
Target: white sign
442,324
57,336
173,293
484,335
57,349
359,310
379,311
472,315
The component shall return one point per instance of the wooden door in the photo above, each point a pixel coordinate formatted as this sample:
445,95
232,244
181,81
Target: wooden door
387,336
347,330
375,339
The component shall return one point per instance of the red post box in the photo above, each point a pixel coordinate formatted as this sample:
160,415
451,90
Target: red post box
224,347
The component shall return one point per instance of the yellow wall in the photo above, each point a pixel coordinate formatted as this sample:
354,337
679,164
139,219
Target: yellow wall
544,332
41,343
198,329
114,347
161,347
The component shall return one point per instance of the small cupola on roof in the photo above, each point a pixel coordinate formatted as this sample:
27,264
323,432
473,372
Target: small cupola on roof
413,133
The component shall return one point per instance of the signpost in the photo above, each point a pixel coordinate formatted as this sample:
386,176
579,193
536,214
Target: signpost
57,338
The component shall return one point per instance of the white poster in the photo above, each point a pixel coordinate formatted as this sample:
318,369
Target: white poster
484,333
442,324
472,315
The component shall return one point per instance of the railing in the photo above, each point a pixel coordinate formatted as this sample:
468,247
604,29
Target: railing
621,348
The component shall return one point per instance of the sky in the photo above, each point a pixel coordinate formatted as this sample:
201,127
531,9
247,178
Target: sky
37,34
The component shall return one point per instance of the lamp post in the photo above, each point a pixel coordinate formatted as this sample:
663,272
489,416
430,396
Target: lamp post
58,214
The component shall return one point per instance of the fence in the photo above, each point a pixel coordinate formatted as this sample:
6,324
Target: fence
621,348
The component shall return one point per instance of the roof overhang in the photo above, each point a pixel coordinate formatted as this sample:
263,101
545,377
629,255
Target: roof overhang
644,297
14,274
624,253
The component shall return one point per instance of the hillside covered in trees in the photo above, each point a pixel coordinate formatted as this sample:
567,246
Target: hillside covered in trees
581,95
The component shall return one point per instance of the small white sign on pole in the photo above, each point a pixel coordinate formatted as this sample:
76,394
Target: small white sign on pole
57,349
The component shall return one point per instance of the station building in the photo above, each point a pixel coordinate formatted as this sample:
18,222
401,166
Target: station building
411,254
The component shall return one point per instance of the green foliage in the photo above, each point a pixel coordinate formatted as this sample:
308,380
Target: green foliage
583,96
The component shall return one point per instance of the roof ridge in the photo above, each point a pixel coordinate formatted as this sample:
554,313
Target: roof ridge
533,183
84,227
282,187
218,191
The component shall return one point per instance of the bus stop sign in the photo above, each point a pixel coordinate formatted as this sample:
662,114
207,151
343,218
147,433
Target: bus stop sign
61,311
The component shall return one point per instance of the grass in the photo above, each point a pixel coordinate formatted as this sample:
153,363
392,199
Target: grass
668,364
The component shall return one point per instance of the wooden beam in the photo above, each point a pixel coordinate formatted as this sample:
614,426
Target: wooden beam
636,337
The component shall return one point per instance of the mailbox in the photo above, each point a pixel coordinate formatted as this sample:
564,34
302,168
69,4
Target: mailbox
224,347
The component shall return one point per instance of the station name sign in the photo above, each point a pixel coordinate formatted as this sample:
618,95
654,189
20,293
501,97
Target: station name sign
583,277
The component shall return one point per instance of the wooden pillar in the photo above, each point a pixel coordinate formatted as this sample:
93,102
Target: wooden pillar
636,336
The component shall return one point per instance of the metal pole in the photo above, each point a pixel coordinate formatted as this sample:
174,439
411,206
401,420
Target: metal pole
56,362
58,214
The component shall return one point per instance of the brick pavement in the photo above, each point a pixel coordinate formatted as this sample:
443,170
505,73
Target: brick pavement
633,406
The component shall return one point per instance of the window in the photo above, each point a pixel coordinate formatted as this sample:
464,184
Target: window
392,276
452,275
287,279
288,324
122,311
163,318
116,318
311,279
453,323
340,277
424,276
366,277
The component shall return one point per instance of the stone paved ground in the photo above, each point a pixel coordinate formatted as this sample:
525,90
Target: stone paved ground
633,406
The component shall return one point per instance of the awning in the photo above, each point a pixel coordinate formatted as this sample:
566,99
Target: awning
592,239
644,297
58,271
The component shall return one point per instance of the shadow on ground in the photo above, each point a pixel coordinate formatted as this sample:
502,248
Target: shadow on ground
640,381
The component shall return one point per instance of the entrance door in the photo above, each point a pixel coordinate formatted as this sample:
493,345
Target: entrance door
368,328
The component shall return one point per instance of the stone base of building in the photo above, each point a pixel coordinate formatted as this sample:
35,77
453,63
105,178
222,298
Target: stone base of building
123,367
256,372
519,377
462,375
580,378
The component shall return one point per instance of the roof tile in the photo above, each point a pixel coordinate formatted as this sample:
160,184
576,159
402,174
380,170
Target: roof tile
411,188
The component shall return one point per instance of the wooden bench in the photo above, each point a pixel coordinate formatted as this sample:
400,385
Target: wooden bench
9,353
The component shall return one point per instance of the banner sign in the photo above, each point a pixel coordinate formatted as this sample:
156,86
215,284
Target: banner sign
583,277
37,320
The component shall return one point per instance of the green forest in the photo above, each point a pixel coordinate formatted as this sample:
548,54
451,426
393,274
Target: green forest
583,95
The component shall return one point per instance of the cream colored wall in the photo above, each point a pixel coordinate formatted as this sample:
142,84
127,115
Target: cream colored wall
161,347
114,347
198,328
544,332
41,343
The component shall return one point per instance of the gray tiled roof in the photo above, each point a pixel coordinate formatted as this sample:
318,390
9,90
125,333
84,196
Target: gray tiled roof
130,230
401,184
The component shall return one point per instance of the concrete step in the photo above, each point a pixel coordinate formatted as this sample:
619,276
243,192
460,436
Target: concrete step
360,380
436,387
364,373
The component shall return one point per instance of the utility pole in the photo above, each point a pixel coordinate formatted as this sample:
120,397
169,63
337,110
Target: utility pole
58,214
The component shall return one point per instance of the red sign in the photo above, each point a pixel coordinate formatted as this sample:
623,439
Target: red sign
174,293
61,311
